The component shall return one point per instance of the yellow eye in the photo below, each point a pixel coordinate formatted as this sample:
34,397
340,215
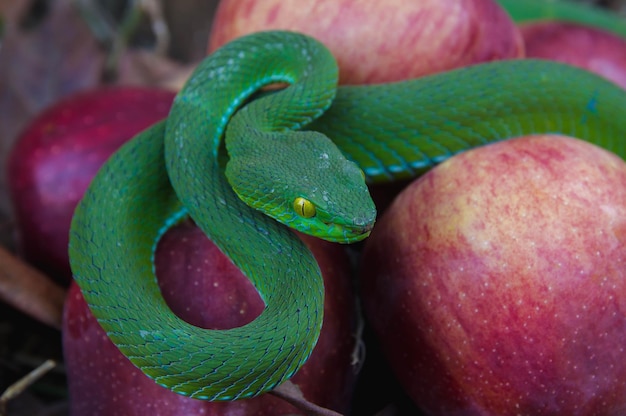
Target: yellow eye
304,207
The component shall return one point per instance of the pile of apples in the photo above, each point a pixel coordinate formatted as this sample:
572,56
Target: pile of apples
495,284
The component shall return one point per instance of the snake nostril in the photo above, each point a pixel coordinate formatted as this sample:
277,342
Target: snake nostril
364,222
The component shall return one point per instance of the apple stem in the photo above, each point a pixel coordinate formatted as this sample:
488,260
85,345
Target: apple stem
30,291
291,393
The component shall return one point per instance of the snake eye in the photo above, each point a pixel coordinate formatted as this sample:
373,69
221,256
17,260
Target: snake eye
304,207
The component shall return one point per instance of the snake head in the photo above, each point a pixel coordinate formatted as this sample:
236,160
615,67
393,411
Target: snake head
302,180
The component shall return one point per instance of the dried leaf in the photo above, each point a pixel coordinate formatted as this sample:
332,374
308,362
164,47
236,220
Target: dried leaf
42,61
145,68
30,291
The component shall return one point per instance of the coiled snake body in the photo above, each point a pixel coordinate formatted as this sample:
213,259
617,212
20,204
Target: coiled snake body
279,163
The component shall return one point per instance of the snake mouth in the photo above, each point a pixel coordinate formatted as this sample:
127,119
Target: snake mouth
348,234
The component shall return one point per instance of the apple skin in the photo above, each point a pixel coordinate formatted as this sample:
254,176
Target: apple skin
589,48
55,157
376,41
212,294
496,282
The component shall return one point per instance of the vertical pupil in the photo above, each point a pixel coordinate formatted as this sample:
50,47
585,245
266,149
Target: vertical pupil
303,207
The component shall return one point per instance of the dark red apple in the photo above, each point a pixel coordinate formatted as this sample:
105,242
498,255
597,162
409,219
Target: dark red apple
380,41
55,157
496,283
589,48
203,287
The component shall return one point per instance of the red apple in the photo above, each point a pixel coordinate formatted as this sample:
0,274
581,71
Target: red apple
381,41
590,48
496,283
54,159
212,294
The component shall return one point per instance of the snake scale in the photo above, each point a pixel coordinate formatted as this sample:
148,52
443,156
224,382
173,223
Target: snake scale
325,144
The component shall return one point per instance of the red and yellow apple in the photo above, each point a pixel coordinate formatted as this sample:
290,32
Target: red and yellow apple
381,41
496,283
586,47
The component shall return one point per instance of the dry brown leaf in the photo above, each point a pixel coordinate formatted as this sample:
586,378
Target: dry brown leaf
30,291
139,67
55,57
189,24
11,9
42,61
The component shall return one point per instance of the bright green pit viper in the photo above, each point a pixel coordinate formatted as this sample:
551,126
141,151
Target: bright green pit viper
299,156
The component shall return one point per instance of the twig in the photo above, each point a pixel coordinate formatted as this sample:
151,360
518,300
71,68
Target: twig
30,291
22,384
101,25
121,38
359,351
160,29
118,35
292,394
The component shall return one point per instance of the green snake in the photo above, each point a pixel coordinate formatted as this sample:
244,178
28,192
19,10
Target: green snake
247,165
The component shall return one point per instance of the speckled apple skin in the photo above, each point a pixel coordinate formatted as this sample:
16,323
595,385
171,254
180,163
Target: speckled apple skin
496,282
381,41
586,47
